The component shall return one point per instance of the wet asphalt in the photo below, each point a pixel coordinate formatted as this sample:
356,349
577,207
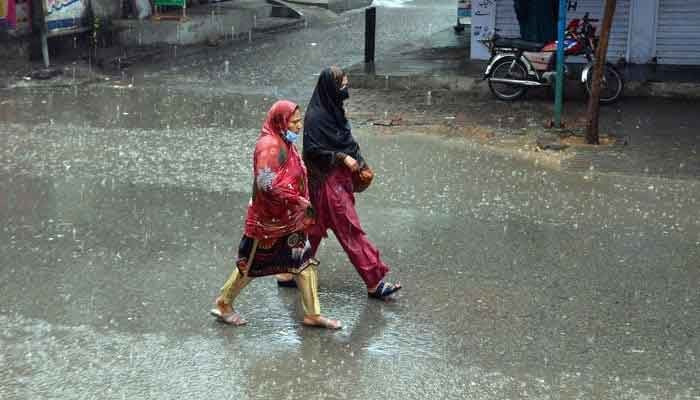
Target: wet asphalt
121,208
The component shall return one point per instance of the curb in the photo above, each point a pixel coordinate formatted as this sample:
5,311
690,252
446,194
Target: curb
282,26
417,82
674,90
337,6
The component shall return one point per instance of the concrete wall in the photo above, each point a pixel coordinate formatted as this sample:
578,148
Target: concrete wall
196,29
339,6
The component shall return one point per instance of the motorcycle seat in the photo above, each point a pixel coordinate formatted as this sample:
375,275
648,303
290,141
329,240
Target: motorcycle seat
517,43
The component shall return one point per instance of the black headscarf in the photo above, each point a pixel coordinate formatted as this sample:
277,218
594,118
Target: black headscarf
326,129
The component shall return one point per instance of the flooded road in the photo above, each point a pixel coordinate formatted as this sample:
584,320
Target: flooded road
121,208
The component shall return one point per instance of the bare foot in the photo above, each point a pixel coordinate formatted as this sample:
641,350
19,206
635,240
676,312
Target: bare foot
232,318
322,322
225,313
223,307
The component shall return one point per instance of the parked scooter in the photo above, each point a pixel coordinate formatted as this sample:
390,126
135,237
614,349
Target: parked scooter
517,64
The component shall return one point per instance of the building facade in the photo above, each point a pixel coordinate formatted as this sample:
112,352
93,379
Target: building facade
664,32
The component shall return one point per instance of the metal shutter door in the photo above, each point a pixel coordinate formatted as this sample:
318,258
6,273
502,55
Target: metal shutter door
678,32
507,22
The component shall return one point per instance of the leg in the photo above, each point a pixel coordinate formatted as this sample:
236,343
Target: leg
363,255
233,287
307,281
361,251
224,303
315,241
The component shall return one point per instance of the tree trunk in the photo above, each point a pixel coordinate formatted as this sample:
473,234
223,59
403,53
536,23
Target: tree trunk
598,69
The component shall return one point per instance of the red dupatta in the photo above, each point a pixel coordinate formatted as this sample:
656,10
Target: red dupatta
280,187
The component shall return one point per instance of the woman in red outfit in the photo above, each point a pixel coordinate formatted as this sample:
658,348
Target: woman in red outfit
332,155
279,215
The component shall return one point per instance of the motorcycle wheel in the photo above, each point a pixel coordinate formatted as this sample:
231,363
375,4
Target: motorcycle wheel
611,86
502,69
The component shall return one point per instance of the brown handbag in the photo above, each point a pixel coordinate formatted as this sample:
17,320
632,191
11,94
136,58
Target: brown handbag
362,178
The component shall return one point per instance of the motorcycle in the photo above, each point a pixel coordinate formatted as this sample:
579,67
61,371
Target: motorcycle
517,65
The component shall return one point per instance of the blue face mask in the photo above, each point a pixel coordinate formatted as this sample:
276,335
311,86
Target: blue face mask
290,136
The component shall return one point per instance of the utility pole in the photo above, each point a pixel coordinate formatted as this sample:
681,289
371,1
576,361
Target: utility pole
559,95
370,33
598,70
39,13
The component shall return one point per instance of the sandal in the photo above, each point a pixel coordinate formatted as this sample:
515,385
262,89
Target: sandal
323,322
232,318
290,283
384,290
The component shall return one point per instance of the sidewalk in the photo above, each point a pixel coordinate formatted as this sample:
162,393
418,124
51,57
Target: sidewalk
439,62
140,41
207,23
442,61
432,87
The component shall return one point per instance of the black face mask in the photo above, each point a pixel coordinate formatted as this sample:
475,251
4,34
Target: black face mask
344,93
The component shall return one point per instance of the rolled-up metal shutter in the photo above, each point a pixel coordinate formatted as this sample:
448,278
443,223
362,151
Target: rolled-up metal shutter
678,32
507,22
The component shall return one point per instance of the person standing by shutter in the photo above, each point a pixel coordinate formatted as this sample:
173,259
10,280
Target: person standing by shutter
537,19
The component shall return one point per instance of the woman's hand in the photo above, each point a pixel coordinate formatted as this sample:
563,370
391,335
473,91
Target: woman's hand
351,163
304,204
309,218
